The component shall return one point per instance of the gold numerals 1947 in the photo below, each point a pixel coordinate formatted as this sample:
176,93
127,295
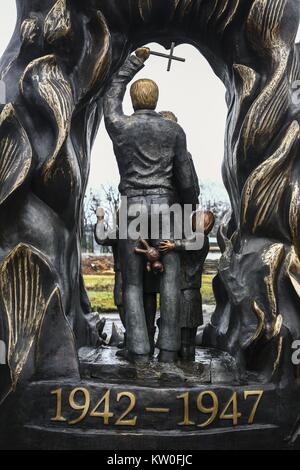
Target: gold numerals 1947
207,404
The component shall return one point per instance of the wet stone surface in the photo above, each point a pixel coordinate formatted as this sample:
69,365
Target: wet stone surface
210,367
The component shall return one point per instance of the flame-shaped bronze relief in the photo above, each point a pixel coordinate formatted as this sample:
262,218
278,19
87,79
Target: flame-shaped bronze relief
56,81
26,283
15,153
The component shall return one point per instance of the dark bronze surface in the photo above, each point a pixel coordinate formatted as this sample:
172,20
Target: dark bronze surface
56,69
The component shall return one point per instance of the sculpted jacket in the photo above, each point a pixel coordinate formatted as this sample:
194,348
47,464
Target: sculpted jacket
151,151
192,263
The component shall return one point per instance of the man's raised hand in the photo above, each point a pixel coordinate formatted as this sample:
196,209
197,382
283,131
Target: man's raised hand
143,53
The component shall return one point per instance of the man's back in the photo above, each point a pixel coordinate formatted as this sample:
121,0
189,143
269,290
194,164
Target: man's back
146,146
151,151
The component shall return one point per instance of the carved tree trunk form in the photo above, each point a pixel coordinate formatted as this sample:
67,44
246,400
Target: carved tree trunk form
56,68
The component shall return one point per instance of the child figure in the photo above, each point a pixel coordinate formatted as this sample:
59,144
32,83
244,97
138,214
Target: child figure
106,238
192,263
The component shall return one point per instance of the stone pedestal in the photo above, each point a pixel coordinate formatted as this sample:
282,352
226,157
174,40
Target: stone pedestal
118,406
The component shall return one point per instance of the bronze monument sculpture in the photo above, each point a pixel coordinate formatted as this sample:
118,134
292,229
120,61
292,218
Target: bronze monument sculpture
151,153
58,70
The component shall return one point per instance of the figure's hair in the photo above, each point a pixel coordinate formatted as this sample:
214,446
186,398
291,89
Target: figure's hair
203,221
169,116
144,94
209,222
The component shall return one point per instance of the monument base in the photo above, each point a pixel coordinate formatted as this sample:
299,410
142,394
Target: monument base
118,406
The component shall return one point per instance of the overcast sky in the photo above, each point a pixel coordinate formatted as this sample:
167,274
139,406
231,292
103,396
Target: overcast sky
191,90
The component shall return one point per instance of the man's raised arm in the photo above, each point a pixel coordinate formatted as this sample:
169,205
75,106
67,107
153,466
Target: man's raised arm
113,100
185,173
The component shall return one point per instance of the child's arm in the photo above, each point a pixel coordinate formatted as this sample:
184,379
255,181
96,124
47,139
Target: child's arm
103,236
167,246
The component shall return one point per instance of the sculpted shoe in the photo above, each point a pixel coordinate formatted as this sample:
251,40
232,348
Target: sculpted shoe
185,353
123,353
138,358
192,353
168,356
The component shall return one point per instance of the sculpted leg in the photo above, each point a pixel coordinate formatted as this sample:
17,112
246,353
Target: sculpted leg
137,340
169,332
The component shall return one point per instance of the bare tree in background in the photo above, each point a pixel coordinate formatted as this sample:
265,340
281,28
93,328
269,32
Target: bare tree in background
111,203
92,201
213,197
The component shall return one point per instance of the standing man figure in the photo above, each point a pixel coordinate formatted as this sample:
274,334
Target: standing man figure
155,170
107,238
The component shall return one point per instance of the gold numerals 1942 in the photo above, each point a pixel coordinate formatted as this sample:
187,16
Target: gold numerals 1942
80,401
207,405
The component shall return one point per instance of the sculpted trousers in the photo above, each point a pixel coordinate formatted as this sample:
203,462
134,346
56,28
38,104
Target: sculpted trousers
133,266
169,331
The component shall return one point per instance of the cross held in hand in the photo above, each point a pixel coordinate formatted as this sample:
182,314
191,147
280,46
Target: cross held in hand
171,57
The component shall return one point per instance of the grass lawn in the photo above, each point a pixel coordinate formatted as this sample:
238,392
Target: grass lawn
207,291
100,290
